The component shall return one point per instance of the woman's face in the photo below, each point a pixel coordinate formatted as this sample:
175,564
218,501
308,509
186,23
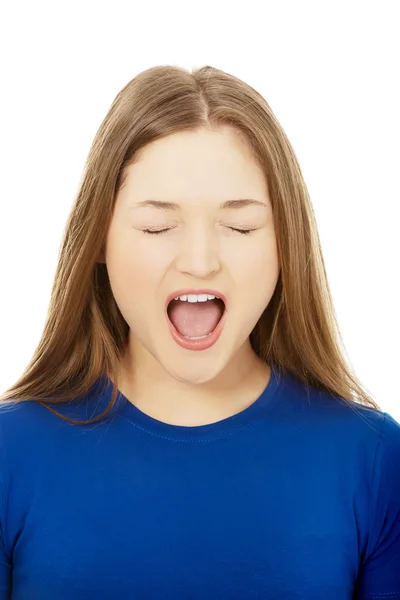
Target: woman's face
196,171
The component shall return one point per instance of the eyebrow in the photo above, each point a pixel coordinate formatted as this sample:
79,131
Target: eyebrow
173,206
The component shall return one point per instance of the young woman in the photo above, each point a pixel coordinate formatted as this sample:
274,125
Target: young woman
189,426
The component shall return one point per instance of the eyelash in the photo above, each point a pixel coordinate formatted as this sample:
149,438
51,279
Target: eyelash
242,231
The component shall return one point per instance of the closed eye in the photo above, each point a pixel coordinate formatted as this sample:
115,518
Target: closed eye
158,231
155,231
243,231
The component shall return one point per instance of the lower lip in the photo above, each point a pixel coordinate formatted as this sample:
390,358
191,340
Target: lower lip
201,344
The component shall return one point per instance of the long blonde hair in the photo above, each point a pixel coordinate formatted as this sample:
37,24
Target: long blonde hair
85,333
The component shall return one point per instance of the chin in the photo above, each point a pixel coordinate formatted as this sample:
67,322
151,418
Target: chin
195,374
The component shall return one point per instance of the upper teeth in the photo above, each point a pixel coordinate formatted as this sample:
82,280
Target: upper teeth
196,298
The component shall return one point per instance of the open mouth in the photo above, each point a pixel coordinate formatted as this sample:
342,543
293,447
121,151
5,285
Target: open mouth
196,316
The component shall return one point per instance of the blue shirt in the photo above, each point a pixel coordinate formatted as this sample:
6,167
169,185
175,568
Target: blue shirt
295,497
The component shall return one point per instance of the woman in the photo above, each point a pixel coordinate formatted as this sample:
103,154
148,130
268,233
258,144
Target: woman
188,426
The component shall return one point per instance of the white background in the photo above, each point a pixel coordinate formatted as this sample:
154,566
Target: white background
330,72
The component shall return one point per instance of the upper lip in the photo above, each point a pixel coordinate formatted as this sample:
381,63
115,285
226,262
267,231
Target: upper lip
185,292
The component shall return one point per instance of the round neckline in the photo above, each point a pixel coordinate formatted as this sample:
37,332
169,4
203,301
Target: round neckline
131,413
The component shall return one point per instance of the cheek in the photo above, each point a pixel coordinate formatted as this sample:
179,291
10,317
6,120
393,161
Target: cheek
135,273
132,284
256,276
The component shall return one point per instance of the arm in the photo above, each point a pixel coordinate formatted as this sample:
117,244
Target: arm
379,573
5,563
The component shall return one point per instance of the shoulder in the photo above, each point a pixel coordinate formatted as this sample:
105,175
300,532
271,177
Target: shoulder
24,426
390,430
21,413
372,436
347,429
387,453
332,413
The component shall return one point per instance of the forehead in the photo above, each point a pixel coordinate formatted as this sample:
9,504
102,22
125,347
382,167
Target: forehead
195,167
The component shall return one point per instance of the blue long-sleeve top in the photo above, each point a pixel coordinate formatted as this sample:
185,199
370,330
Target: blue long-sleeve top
295,497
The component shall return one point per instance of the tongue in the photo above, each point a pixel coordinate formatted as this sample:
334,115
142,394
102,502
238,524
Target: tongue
195,319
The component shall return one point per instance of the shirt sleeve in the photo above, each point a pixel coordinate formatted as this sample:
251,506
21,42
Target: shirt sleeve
379,573
5,566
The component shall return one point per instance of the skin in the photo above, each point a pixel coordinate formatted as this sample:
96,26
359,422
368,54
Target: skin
198,170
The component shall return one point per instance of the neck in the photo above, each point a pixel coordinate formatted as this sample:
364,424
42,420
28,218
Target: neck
155,392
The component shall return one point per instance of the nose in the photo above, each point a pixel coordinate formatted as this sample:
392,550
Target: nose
198,254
